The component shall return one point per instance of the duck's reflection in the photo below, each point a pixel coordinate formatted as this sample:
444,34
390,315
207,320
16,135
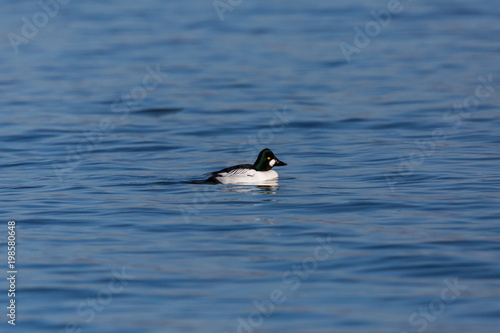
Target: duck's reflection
266,187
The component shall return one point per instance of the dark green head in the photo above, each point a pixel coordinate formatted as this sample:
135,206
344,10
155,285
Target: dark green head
266,161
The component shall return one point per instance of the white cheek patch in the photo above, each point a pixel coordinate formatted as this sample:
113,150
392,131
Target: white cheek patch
272,162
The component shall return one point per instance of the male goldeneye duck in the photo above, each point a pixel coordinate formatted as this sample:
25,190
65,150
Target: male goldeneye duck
258,173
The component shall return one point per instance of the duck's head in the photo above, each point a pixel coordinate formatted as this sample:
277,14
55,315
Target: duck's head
266,161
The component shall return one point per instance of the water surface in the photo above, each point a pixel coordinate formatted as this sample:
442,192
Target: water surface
386,218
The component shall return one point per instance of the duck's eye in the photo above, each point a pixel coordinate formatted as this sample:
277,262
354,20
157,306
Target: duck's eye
268,158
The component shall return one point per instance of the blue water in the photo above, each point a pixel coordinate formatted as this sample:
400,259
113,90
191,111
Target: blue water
386,219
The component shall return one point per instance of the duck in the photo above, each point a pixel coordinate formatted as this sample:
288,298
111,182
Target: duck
258,173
